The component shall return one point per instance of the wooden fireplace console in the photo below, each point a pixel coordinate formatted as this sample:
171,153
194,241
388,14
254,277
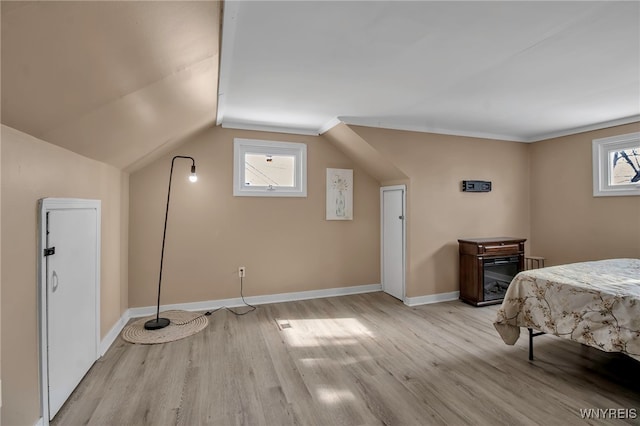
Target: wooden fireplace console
487,266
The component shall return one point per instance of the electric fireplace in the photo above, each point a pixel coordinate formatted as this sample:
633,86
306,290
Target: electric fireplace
487,266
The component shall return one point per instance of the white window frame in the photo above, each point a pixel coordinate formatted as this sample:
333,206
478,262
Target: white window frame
602,166
244,146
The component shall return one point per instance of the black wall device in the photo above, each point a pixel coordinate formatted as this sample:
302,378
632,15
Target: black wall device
476,186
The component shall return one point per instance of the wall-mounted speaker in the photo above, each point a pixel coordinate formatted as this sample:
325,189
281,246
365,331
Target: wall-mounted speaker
476,186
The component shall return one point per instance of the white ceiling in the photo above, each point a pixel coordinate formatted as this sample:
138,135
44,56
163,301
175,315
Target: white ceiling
119,82
125,81
520,71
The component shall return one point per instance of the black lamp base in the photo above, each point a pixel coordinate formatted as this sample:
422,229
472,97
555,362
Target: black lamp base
156,324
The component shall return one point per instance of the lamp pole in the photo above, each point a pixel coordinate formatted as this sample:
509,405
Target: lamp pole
158,323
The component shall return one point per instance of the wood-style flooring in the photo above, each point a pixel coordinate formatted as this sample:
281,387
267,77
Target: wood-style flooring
353,360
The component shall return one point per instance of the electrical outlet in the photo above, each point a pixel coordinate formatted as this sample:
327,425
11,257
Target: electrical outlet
242,271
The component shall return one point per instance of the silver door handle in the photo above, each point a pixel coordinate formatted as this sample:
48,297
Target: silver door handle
54,282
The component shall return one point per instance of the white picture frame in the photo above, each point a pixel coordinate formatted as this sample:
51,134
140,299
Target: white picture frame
339,194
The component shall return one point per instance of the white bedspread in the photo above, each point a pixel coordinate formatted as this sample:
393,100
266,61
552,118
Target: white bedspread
594,303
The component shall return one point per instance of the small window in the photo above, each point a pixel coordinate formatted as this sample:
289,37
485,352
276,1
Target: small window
616,165
269,169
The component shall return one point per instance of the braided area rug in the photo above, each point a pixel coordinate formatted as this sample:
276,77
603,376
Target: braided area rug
183,324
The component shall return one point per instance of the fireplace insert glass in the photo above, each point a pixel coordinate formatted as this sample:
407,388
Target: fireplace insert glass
498,273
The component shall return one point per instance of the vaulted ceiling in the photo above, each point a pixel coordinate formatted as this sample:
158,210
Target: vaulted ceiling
124,82
114,81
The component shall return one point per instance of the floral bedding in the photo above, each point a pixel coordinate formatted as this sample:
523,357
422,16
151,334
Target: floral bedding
594,303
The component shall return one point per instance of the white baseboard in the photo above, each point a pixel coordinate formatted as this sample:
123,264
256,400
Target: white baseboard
431,298
261,300
113,334
257,300
40,422
208,305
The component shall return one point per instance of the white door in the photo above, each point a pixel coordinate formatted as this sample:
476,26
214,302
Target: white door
72,288
393,240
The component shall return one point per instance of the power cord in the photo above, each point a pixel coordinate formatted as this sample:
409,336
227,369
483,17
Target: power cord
208,313
195,318
253,308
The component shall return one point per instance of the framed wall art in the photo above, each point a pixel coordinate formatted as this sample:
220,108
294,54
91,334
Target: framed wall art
339,194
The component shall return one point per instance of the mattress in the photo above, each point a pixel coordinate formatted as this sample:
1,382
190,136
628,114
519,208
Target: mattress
594,303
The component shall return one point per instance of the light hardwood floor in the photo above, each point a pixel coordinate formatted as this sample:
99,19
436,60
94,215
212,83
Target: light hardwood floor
352,360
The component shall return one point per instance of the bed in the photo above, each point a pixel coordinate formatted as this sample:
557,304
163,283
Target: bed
594,303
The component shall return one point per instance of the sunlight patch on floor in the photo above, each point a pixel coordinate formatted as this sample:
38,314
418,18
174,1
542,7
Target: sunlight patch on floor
320,332
329,395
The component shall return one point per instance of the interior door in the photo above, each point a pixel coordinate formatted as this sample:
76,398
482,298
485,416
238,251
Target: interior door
393,240
71,299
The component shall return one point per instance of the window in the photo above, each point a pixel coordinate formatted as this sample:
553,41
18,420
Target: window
269,169
616,165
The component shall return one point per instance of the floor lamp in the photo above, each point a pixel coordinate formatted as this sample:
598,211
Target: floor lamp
158,323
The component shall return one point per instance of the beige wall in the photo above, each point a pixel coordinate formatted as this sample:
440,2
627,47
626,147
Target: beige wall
541,191
360,151
439,213
0,284
285,243
34,169
569,224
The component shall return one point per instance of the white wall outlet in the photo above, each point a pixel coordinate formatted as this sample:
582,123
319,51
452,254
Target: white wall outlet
242,271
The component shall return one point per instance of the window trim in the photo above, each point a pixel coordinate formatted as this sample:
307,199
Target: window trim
244,146
601,170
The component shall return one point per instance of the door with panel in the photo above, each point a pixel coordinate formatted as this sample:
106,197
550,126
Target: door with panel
71,265
393,240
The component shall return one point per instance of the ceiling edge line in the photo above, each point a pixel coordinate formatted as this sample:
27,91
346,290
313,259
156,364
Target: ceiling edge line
228,36
329,125
587,128
268,128
434,130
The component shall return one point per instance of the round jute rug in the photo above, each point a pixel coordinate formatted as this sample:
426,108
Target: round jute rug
183,324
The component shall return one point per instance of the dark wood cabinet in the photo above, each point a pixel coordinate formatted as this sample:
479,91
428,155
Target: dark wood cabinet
487,266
